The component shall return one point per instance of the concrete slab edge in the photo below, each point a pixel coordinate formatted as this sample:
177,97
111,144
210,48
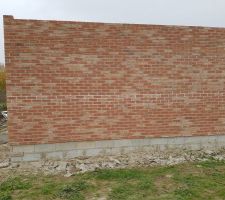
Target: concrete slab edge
70,150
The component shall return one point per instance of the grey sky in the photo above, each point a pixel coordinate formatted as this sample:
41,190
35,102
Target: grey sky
174,12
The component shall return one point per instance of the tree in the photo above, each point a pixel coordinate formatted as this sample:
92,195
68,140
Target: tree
2,87
2,78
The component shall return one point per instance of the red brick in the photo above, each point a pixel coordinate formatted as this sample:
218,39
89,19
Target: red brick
77,81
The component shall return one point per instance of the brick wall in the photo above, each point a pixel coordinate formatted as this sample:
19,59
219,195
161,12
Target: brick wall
76,81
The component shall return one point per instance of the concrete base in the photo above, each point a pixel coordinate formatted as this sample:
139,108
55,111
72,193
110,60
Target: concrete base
70,150
3,138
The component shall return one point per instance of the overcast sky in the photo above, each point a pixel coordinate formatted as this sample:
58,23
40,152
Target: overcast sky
173,12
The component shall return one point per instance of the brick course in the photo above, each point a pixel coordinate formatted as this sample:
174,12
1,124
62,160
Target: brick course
80,81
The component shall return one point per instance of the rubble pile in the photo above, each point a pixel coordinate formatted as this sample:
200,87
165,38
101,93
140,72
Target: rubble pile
85,164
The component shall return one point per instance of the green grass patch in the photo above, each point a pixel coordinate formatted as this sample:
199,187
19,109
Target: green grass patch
3,106
73,191
11,185
119,174
202,180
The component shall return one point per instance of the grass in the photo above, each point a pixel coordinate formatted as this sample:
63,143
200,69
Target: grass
202,180
3,106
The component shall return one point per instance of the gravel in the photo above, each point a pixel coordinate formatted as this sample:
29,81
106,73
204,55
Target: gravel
85,164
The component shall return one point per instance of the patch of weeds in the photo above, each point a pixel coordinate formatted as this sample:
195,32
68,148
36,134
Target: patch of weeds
194,187
132,189
211,163
73,191
218,176
221,193
184,193
123,192
145,185
12,184
48,188
182,182
163,170
187,180
119,174
5,196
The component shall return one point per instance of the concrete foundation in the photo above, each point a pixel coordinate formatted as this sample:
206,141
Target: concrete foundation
70,150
